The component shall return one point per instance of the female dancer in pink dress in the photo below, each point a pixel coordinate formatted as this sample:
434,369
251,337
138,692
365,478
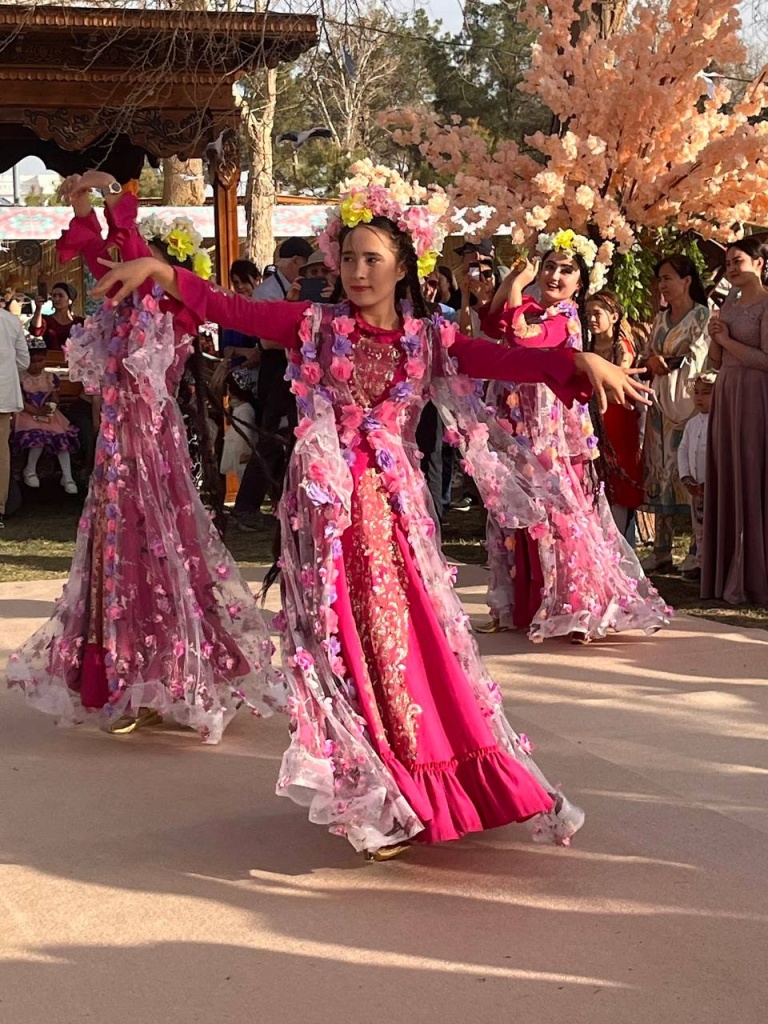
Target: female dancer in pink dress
155,619
398,732
573,574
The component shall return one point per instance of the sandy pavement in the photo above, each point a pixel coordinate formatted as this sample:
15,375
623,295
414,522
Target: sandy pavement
150,879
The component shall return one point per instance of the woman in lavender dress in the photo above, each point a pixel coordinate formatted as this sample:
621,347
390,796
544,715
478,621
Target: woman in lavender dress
735,563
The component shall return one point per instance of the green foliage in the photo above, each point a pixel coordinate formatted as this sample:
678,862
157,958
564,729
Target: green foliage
632,274
475,72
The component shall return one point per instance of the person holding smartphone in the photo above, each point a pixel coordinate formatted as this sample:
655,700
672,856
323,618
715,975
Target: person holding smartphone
314,283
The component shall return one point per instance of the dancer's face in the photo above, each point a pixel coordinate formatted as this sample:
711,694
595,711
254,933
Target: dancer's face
559,278
370,267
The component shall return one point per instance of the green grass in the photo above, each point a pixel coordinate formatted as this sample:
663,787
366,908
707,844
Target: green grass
38,543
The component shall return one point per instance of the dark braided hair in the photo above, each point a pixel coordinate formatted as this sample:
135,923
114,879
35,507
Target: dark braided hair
194,403
610,304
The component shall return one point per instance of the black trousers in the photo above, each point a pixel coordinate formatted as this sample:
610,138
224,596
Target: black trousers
264,473
429,438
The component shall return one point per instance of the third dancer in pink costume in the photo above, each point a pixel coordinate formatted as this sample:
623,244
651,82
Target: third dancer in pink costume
572,574
398,730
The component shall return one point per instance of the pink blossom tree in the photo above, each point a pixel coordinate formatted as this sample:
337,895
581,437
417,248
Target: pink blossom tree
646,140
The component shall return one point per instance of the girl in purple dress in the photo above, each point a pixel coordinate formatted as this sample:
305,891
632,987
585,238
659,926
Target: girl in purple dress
155,621
40,427
398,732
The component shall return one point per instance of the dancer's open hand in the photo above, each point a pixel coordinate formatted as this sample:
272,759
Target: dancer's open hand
129,276
611,383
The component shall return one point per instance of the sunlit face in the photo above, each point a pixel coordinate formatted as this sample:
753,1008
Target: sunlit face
370,268
36,362
559,278
672,287
60,300
702,396
243,286
600,319
740,267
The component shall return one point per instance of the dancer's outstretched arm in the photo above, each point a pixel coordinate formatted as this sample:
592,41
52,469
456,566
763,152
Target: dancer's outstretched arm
276,321
573,376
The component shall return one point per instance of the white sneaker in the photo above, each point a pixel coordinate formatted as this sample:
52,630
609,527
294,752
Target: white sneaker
689,564
31,479
69,485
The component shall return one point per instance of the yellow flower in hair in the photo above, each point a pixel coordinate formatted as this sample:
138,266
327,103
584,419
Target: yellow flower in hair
353,211
427,263
563,241
201,264
180,245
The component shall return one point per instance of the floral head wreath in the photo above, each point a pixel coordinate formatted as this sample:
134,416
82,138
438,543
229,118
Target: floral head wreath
180,239
571,244
376,191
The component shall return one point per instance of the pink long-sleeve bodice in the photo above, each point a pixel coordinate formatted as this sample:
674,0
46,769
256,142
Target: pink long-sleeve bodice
528,326
279,322
84,238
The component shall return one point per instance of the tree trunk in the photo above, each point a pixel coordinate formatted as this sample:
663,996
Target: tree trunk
603,17
183,182
259,121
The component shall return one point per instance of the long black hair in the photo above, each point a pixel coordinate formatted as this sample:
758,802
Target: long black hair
684,266
195,402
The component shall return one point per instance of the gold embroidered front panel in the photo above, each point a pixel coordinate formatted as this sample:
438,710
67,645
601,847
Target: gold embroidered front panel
378,584
374,364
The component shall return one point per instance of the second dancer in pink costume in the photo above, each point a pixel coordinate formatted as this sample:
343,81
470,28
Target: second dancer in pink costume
398,731
155,619
572,574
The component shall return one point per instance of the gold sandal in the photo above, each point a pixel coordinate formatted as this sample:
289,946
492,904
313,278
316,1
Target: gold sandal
388,852
128,724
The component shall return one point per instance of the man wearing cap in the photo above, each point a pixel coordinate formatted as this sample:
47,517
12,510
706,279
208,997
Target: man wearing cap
264,472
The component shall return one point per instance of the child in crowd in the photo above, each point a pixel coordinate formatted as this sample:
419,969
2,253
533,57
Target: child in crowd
40,427
692,461
241,435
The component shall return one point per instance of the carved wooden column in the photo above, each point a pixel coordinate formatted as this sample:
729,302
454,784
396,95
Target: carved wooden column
224,162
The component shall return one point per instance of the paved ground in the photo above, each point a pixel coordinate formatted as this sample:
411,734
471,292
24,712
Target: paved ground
152,880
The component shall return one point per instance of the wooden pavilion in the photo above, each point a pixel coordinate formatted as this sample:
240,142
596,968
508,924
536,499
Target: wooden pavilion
105,87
